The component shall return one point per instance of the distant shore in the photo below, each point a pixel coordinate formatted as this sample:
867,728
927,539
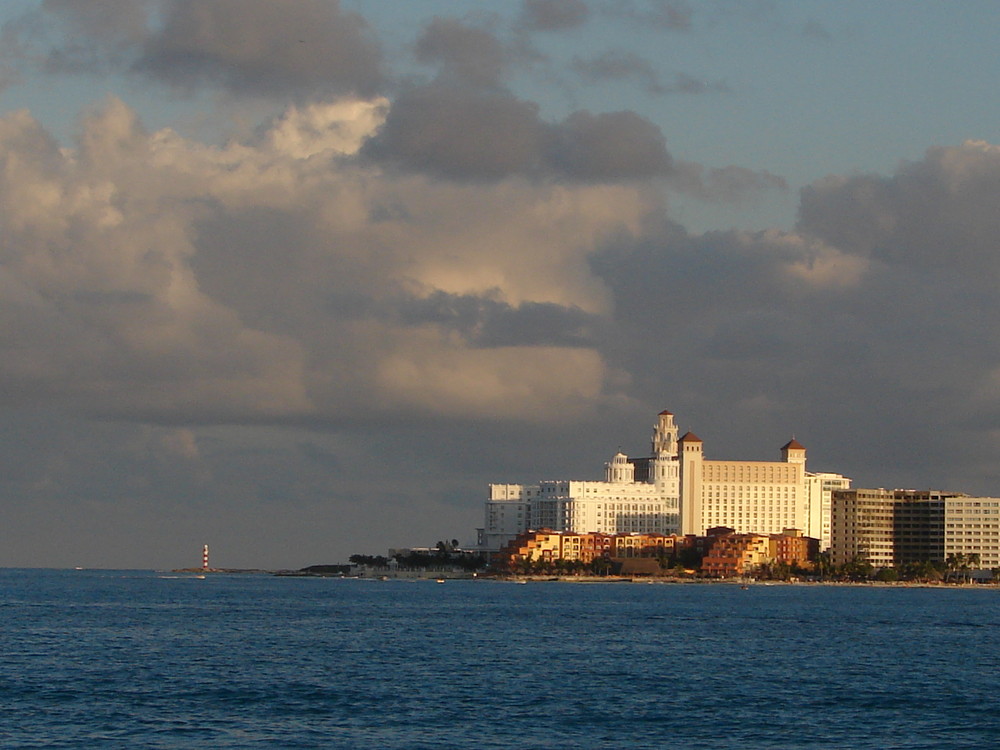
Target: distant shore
249,571
734,581
428,575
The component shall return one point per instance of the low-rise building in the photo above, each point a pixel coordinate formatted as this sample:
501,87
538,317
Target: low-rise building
733,554
549,545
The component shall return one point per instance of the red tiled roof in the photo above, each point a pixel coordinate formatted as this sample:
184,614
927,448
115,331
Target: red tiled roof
794,445
690,437
666,413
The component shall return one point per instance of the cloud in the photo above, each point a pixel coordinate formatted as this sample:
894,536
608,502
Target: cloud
487,322
420,276
305,50
467,134
553,15
286,278
261,47
466,54
551,383
868,327
609,146
95,37
340,127
180,443
151,277
460,133
936,213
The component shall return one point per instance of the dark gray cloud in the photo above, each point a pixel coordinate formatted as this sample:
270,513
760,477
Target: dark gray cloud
465,125
939,212
259,47
553,15
460,133
301,50
489,322
470,134
466,54
609,146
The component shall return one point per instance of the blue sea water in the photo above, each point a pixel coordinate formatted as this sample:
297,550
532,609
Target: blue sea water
111,659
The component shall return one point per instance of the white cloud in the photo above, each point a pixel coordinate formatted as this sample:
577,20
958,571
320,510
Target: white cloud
340,127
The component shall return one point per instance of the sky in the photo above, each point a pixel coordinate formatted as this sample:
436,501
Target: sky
297,279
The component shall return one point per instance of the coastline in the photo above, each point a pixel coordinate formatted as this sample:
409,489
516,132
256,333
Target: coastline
737,582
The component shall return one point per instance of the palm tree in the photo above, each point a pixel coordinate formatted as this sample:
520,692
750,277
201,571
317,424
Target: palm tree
600,566
957,562
824,565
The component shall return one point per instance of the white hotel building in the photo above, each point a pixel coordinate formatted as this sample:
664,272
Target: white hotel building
673,491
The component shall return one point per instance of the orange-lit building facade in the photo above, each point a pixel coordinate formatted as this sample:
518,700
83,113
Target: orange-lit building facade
724,552
734,554
549,546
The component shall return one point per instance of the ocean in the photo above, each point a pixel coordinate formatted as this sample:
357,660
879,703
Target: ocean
136,659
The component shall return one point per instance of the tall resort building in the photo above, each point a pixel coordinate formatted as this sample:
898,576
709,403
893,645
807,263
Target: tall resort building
674,490
889,528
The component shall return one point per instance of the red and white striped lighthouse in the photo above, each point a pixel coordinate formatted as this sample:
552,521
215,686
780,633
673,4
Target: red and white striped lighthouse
204,557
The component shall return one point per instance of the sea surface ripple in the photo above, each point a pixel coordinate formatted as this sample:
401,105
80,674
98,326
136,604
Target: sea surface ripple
135,659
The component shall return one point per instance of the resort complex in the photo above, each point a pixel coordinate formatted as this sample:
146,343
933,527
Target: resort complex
674,490
729,518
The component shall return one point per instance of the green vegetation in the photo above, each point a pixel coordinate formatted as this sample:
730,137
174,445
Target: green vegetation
957,568
600,566
444,556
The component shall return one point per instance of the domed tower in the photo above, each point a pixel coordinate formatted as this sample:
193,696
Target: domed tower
664,435
663,464
619,470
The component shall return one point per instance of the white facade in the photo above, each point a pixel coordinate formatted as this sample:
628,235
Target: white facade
821,486
618,505
673,491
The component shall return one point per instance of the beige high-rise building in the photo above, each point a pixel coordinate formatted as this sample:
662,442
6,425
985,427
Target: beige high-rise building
972,527
862,527
889,528
754,497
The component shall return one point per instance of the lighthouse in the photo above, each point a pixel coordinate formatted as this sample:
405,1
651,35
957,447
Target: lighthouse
204,557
